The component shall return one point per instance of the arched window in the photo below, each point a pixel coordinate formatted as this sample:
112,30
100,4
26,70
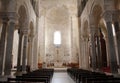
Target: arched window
57,38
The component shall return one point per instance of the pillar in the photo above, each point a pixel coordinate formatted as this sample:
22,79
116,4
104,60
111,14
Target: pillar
83,54
118,43
2,43
117,30
98,51
93,32
113,61
30,61
80,56
8,57
19,52
25,41
87,53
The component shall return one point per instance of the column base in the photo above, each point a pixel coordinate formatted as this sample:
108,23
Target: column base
5,77
18,73
24,72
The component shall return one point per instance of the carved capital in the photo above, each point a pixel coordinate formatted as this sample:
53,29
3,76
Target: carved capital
4,17
24,31
5,20
9,16
115,15
13,17
93,28
107,15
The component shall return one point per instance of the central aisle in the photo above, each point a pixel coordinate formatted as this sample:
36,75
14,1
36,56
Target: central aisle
61,77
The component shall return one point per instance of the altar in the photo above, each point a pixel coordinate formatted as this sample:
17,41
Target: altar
58,64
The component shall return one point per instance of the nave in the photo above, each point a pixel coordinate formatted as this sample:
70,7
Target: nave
61,77
39,34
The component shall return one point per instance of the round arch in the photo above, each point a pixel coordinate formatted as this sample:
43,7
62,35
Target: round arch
100,32
96,13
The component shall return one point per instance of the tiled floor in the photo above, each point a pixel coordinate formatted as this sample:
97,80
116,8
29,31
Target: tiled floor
61,77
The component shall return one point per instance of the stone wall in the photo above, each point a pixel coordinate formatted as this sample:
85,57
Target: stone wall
56,16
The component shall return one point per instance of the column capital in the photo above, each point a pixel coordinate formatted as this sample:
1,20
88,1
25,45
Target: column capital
115,15
4,17
107,15
13,17
9,16
93,29
25,31
5,20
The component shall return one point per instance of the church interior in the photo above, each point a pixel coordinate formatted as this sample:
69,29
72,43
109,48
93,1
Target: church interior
46,40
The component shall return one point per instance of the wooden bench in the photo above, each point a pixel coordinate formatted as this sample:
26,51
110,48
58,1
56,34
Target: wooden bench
97,80
41,75
27,80
85,76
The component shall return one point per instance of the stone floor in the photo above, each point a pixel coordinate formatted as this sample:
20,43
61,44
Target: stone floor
61,77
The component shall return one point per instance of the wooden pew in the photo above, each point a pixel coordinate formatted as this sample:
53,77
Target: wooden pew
41,75
85,76
27,80
102,80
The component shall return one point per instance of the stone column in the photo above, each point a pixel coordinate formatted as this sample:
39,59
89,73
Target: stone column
93,31
2,43
99,51
8,57
35,52
31,53
19,52
118,44
112,57
82,53
86,53
117,30
25,41
80,56
107,50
